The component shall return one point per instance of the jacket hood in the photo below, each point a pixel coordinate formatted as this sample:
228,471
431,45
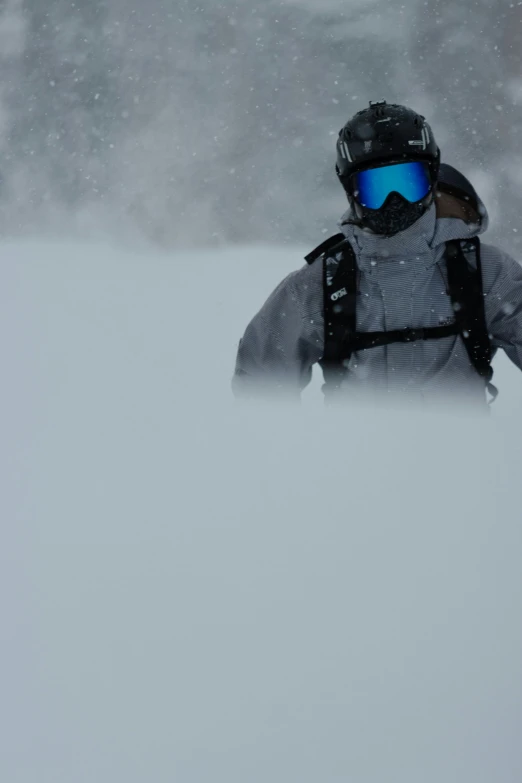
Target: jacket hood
449,217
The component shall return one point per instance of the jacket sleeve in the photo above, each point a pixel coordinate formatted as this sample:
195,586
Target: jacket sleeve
283,341
503,301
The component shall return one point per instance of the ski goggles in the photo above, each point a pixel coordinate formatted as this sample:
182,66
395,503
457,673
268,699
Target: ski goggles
372,187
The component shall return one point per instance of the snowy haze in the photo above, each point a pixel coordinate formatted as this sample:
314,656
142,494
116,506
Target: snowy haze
196,591
201,122
192,590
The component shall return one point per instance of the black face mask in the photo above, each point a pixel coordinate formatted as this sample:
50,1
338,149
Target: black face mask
396,215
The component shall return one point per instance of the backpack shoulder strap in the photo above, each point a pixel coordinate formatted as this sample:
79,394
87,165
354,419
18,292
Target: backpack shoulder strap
324,248
340,320
467,295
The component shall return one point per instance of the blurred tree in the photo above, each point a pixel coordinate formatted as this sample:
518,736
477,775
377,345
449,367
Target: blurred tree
65,112
468,58
12,49
234,117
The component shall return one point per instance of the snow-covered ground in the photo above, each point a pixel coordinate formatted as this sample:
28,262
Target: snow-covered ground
201,592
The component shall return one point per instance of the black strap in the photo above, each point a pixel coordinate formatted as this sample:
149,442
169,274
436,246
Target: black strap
327,246
467,294
340,284
340,319
361,341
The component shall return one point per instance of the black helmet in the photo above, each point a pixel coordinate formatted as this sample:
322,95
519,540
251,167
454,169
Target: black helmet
386,134
383,134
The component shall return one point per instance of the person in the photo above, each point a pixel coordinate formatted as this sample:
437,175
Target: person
406,300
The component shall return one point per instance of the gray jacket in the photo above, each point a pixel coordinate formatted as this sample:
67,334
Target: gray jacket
402,285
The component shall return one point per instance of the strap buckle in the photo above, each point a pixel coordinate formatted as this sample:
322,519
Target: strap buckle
412,335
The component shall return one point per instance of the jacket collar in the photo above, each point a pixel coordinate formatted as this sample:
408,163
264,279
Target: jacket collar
415,241
423,243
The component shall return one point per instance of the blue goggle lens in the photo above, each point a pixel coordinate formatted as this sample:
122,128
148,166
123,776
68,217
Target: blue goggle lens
373,186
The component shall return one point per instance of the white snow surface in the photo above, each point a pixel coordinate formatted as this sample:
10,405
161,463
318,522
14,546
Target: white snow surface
194,590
